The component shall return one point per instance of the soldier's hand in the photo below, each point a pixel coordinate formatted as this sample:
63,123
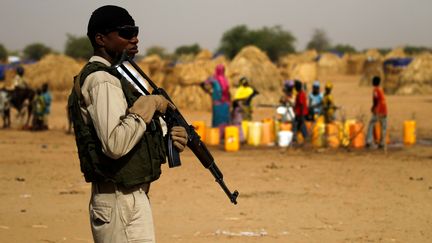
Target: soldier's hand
179,137
146,106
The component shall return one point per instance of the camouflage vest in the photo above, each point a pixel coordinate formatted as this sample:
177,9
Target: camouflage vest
141,165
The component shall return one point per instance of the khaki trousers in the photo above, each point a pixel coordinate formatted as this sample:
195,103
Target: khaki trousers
120,215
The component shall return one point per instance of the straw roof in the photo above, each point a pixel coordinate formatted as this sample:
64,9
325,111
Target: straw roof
373,54
330,63
204,55
183,81
355,63
154,67
417,77
396,53
57,70
253,63
299,66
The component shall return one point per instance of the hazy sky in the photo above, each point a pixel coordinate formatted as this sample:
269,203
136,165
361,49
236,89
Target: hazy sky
361,23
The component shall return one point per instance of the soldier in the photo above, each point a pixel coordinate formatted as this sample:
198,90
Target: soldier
120,141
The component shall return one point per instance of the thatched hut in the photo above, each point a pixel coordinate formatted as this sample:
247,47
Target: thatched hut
417,77
373,66
355,63
301,66
396,53
183,81
204,55
330,64
254,64
56,70
373,54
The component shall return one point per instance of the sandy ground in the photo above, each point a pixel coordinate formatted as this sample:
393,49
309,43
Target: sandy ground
294,195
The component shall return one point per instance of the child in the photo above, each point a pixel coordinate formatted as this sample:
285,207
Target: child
379,113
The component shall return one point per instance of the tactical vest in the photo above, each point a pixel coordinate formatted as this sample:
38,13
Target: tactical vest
141,165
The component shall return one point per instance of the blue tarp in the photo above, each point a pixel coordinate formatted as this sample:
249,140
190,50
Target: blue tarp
398,62
2,72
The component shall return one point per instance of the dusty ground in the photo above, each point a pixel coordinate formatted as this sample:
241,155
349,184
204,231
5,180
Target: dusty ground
295,195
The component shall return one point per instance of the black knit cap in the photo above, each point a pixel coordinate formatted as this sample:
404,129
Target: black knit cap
108,17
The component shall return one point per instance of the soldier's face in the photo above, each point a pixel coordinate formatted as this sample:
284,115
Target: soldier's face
122,39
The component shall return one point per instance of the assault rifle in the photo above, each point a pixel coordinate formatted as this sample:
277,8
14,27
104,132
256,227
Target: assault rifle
173,117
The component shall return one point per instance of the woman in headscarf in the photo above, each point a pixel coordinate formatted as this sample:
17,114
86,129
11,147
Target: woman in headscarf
219,91
243,99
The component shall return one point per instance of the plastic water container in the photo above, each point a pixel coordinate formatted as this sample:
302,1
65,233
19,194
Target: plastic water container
308,127
357,135
232,142
345,137
245,129
332,134
284,138
377,133
267,133
285,127
200,128
318,132
212,136
254,135
409,132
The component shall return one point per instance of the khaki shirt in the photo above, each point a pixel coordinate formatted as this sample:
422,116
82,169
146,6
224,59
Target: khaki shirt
106,106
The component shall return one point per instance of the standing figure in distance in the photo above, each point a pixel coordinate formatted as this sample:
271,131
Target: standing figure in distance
379,113
120,140
243,97
218,87
287,101
315,101
46,94
300,111
329,106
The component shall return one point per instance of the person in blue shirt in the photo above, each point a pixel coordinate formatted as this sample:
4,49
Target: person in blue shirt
315,101
47,98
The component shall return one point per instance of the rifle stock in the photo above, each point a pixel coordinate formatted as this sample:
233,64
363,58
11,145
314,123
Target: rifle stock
173,117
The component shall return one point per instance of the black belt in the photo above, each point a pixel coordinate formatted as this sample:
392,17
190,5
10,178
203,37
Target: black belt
110,187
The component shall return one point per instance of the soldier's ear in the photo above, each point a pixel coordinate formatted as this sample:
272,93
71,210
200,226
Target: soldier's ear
100,39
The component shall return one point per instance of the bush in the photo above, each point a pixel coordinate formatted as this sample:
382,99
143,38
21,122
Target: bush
36,51
319,41
412,50
185,49
156,50
275,41
343,48
78,47
3,53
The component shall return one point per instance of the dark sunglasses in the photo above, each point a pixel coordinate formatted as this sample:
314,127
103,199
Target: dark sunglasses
126,32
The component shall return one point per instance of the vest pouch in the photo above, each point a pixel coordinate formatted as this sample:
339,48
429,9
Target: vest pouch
90,160
143,162
85,143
